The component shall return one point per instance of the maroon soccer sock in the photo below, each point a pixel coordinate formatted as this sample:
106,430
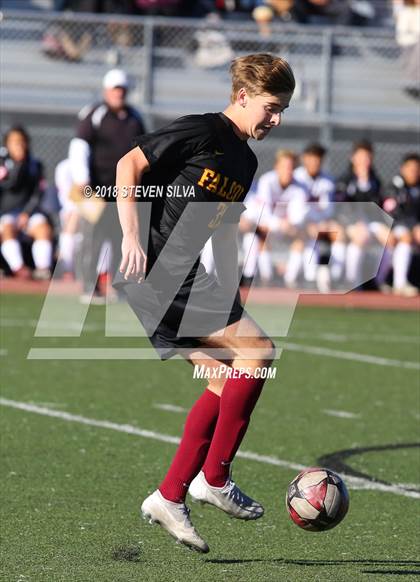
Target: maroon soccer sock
237,402
192,450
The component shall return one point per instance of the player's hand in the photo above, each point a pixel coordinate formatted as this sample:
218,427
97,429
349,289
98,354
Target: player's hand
389,204
133,263
22,220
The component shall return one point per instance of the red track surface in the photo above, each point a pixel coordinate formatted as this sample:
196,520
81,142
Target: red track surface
354,299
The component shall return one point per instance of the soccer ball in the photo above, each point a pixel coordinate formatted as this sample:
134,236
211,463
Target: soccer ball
317,499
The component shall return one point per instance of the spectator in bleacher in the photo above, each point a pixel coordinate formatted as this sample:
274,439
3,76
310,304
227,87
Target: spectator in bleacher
319,226
63,40
407,22
97,6
158,7
273,11
197,8
284,10
237,9
333,12
67,41
213,48
263,16
359,184
22,186
105,133
278,208
402,202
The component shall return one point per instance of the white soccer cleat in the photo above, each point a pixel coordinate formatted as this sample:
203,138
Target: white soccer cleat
175,518
228,498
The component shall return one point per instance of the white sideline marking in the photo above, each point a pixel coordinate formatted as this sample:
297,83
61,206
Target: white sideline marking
409,485
93,354
354,356
328,336
49,324
353,482
150,353
132,354
49,404
341,413
3,352
170,407
349,337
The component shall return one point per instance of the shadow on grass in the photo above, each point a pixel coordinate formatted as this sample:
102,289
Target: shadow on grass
131,553
393,572
414,563
337,461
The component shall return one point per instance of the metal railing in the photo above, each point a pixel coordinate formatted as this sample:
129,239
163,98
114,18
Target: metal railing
348,79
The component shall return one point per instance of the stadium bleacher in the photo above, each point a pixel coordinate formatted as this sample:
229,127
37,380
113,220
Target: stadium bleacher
350,82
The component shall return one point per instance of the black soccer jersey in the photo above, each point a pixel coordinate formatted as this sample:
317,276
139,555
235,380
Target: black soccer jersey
203,161
22,185
407,202
179,302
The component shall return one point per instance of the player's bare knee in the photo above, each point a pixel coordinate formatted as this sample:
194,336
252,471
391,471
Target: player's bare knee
416,234
8,232
297,245
41,232
266,351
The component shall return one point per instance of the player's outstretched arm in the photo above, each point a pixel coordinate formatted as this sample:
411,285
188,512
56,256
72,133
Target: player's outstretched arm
130,170
225,252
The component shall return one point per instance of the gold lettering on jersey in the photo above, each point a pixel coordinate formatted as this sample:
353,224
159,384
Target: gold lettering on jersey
212,186
235,192
207,174
221,185
222,191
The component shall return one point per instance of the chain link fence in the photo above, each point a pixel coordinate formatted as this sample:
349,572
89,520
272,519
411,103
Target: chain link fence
350,82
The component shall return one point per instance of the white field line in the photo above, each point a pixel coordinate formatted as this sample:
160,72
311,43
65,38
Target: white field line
356,337
179,409
3,352
340,413
328,336
170,408
409,485
151,354
148,353
353,482
354,356
49,404
93,354
6,322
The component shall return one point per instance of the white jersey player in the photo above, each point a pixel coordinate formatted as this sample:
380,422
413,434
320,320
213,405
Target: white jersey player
318,215
278,206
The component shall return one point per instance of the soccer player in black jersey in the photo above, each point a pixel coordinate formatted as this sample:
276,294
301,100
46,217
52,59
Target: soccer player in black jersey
186,311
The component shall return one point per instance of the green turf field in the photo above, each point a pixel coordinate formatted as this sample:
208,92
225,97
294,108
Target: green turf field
71,491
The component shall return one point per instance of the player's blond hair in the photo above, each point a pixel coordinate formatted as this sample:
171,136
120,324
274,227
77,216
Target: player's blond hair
283,153
261,73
